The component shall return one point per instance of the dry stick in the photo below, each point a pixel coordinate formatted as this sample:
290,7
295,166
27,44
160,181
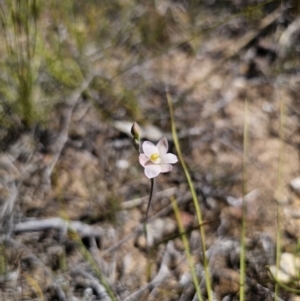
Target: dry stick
63,135
63,226
60,224
139,201
93,283
7,210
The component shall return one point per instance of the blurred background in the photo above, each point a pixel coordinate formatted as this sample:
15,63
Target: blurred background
74,77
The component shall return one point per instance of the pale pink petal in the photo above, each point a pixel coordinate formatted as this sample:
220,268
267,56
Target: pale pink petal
168,158
165,167
162,146
152,171
143,159
149,148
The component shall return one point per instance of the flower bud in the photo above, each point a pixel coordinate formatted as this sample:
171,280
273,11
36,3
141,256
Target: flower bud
136,132
136,136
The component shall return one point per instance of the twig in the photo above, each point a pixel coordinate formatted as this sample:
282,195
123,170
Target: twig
139,201
7,209
60,224
92,283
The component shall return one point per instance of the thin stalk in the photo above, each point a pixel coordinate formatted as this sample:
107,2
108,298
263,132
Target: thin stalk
27,32
279,191
194,196
148,207
244,207
186,247
150,197
34,12
4,25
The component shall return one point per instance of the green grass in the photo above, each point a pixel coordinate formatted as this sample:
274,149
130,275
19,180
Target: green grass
195,200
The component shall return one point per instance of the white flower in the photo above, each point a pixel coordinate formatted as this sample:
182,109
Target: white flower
155,159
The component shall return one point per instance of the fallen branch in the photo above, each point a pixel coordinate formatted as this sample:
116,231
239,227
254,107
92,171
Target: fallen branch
59,224
93,283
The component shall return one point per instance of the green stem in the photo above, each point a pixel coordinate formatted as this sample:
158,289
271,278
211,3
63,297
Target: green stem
150,197
194,196
279,191
244,208
280,284
148,207
187,248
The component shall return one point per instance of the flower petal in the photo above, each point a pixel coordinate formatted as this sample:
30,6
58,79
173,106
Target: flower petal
168,158
143,159
162,146
166,167
152,171
149,148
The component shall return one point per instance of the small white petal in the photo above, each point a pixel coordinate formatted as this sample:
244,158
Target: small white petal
168,158
152,171
162,146
165,167
149,148
143,159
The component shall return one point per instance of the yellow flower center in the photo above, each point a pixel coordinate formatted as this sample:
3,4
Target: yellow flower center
155,158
